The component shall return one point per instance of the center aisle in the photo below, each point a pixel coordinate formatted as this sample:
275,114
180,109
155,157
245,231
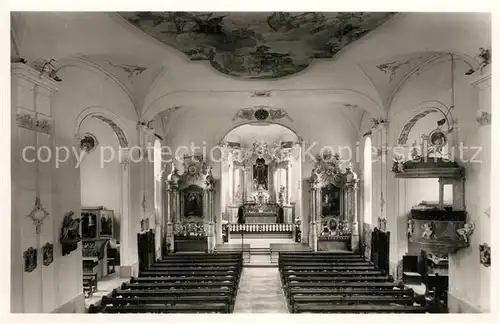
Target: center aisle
260,292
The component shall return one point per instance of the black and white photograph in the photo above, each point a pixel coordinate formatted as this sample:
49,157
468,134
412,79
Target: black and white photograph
251,162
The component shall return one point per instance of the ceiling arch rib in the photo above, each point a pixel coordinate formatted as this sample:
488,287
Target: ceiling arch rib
226,99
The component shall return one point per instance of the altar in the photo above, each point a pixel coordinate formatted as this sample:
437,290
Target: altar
261,218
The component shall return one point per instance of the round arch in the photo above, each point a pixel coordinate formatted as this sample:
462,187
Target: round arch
223,132
415,114
124,184
107,117
200,98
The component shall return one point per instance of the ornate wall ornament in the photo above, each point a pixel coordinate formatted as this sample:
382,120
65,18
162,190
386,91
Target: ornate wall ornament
327,167
48,254
144,224
88,142
30,259
378,122
131,70
466,231
429,230
70,233
122,139
382,224
261,94
484,57
244,114
194,167
410,229
173,178
398,165
47,69
437,141
279,114
209,179
25,119
391,68
262,113
351,106
44,124
38,214
257,45
484,118
485,255
403,136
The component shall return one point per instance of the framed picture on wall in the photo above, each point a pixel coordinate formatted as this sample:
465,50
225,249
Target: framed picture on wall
106,222
89,221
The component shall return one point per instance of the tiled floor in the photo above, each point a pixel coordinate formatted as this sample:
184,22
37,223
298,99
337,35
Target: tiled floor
260,292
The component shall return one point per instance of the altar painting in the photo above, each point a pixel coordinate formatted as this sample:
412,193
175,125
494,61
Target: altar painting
193,201
330,200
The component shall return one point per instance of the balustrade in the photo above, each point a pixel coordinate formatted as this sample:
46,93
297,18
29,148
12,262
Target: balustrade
262,228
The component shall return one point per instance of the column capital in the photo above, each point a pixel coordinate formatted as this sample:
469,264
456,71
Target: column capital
25,72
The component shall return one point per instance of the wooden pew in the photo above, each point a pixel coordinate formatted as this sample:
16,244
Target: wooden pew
362,308
183,279
180,283
173,302
201,272
177,308
335,283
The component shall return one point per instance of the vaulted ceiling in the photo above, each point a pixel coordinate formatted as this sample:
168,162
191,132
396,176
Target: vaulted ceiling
181,55
257,45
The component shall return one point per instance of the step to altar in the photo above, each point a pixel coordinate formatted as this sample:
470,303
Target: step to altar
256,241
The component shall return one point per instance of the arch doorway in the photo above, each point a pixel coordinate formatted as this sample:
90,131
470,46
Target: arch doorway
261,192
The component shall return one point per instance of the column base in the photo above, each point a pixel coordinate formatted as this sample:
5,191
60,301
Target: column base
127,271
355,246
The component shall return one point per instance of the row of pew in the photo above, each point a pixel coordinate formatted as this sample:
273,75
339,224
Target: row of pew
180,283
330,282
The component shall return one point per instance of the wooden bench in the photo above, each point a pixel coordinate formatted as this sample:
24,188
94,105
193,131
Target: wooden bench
201,272
178,308
193,300
180,283
342,283
184,278
334,308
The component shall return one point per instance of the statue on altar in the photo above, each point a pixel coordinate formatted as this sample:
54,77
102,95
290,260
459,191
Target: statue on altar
260,174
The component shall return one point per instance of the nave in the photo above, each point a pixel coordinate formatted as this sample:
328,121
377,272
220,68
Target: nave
251,162
300,282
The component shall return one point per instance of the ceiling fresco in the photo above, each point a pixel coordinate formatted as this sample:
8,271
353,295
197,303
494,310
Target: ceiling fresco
257,45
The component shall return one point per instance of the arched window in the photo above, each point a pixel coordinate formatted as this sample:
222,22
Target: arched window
367,181
157,172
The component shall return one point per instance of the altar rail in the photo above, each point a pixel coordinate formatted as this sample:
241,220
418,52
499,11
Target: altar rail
262,228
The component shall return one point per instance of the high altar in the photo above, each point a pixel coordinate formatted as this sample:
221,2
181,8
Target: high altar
260,184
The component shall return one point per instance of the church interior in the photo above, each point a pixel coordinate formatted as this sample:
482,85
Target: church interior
250,162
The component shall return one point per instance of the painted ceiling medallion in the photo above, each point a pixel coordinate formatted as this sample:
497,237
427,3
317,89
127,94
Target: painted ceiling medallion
257,45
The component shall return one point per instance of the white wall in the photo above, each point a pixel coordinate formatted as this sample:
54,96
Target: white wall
433,85
61,288
100,180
